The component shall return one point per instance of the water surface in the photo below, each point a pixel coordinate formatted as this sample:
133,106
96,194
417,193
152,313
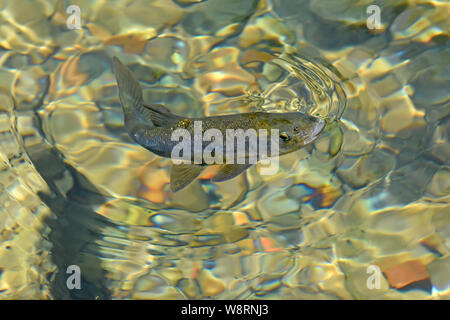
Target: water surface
373,191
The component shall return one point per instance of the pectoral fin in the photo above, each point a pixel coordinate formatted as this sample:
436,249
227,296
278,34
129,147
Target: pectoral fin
183,174
229,171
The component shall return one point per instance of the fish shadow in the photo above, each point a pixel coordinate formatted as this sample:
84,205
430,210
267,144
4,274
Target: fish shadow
75,226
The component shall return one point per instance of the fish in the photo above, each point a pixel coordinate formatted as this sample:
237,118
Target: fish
153,125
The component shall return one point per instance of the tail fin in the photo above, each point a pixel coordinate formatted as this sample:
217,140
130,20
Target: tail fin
130,94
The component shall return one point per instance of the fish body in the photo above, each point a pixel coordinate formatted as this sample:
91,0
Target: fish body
153,127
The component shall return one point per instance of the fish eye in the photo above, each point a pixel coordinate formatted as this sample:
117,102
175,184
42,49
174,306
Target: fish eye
284,136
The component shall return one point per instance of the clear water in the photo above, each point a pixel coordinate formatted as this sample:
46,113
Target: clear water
372,192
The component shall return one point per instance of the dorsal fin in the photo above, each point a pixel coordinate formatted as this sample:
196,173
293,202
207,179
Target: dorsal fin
161,116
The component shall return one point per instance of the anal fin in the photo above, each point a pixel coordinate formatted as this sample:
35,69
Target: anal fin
183,174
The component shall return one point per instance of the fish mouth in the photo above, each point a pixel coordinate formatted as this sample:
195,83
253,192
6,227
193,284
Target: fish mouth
316,131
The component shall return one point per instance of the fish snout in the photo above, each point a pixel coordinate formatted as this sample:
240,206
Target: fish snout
318,128
315,130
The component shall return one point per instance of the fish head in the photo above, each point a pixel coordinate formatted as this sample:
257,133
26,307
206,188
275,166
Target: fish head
296,130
